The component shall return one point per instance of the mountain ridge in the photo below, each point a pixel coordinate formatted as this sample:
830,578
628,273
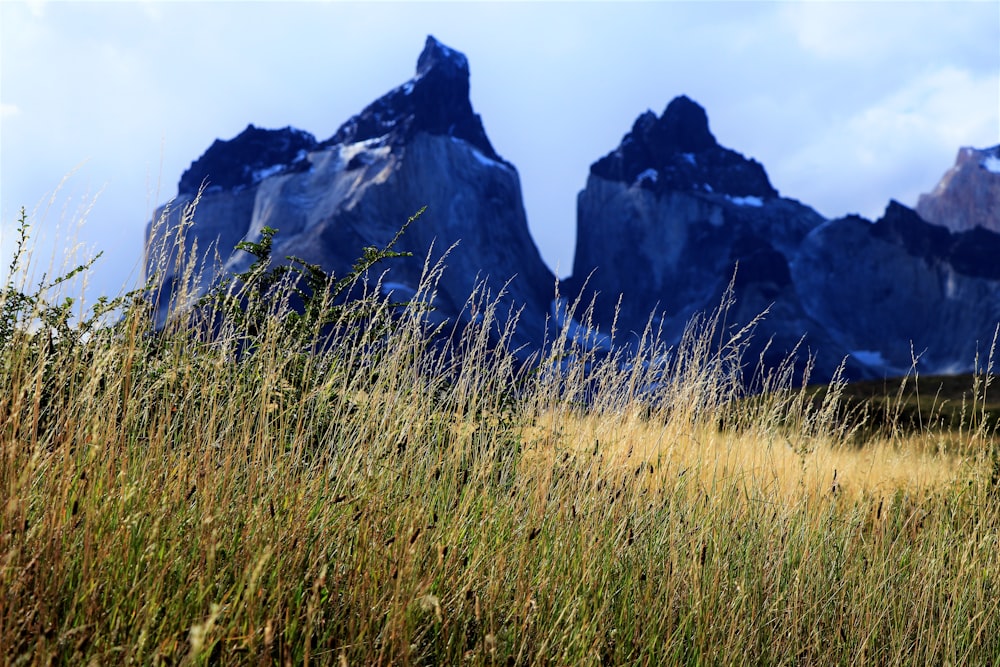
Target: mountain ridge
668,219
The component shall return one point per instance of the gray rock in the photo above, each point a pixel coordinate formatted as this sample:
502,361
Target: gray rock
968,195
694,217
898,289
204,232
419,145
669,216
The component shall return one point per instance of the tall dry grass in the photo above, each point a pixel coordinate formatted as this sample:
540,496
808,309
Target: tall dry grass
170,499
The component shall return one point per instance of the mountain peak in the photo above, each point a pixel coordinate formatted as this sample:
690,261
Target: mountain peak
435,101
676,151
968,195
684,126
437,55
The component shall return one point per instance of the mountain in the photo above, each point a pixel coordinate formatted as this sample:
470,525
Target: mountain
902,288
968,195
670,217
666,223
419,144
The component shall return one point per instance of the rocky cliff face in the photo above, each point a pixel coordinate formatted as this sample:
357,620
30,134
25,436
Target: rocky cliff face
420,144
667,221
901,289
670,216
968,195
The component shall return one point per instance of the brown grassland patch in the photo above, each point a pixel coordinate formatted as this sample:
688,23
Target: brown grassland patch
230,499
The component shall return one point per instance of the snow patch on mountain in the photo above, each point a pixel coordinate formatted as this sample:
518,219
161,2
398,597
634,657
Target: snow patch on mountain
362,153
648,175
991,164
260,174
481,157
746,201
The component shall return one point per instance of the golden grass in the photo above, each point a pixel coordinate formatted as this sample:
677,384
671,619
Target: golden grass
790,466
167,501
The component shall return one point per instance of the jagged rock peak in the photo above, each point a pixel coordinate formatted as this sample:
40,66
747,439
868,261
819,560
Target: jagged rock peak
437,55
252,155
435,101
968,195
684,127
677,151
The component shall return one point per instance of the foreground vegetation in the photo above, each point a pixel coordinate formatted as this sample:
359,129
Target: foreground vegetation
256,497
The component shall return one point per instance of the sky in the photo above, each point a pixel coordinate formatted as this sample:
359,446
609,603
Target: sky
846,104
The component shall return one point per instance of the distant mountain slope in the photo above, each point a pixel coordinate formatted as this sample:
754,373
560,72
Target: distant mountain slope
968,195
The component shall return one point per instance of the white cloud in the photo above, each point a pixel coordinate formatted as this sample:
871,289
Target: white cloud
836,30
945,107
8,111
860,32
897,146
36,8
152,10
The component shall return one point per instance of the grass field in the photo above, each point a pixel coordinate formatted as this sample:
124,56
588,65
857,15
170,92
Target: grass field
241,499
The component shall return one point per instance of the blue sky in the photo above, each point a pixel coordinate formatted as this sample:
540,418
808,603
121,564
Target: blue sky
846,104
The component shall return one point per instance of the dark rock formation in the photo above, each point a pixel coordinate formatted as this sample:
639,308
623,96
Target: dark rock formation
420,144
900,288
247,159
670,218
973,253
968,195
435,101
677,152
